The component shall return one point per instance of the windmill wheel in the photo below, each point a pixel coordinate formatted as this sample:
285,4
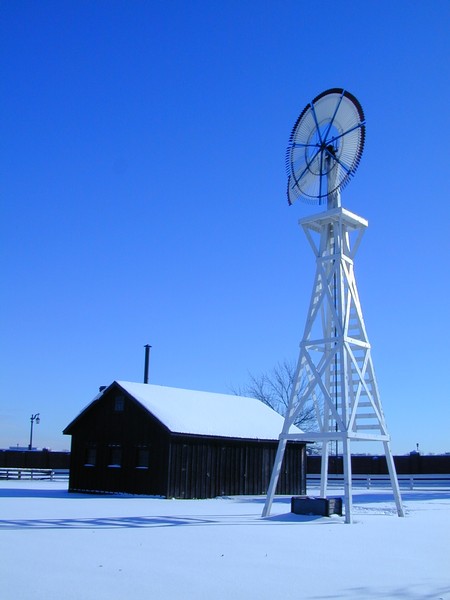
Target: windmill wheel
325,146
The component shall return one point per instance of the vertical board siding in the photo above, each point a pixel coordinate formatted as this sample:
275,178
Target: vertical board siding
218,468
102,426
180,466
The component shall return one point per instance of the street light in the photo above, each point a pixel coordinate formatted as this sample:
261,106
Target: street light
33,419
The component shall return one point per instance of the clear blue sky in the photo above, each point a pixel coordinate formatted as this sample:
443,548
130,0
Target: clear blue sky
143,198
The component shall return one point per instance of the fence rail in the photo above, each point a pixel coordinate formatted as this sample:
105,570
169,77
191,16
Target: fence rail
27,473
413,481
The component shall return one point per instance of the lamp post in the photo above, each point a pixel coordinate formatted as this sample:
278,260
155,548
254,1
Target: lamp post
33,419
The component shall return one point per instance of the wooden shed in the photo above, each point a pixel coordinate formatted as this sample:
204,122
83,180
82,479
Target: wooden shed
149,439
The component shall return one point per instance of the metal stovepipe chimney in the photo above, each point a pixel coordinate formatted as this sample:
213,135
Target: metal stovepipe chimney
147,359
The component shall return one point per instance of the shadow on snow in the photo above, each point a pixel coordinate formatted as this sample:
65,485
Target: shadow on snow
286,518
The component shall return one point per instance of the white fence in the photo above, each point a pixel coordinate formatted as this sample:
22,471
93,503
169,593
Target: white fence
380,481
25,473
411,482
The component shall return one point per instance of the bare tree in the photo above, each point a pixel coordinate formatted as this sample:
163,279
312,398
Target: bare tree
275,389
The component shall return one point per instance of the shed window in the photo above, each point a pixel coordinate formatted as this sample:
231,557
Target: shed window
115,455
142,457
119,403
90,457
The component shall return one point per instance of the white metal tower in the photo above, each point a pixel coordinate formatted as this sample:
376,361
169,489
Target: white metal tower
335,373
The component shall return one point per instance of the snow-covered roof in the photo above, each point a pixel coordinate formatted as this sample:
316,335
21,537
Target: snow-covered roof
207,413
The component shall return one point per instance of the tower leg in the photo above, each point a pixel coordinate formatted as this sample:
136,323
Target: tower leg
274,477
394,481
324,469
348,492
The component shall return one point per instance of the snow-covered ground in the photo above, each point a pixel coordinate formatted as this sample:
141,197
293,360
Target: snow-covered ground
60,546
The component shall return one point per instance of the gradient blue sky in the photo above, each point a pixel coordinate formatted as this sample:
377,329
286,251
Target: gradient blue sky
143,198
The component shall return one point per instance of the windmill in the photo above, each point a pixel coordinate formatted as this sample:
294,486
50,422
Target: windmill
334,374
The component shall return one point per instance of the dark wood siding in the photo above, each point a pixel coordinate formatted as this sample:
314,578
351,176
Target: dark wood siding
131,428
209,467
113,436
